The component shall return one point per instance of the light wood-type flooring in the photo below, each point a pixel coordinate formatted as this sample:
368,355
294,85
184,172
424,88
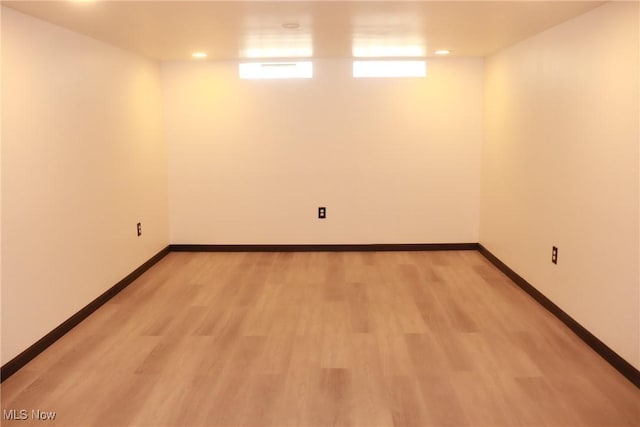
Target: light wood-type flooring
322,339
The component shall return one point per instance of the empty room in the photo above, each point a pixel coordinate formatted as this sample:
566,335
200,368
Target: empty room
325,213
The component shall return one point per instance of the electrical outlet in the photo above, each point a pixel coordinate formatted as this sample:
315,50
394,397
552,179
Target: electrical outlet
554,255
139,227
322,212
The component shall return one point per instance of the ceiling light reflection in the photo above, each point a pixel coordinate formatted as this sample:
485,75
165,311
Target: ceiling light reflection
278,46
387,51
385,46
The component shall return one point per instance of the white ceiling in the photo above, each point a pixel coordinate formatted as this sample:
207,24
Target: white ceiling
172,30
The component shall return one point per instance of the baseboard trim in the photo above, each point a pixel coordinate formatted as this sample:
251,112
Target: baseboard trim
615,360
12,366
381,247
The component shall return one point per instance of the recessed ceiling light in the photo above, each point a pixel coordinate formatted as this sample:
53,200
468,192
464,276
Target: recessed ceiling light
290,25
442,52
199,55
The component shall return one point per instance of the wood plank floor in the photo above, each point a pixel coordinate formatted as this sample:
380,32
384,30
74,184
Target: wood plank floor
322,339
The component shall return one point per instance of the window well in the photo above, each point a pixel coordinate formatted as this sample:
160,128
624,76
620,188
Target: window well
389,68
276,70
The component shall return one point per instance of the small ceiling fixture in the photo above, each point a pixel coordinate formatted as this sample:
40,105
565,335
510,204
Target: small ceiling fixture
290,25
199,55
442,52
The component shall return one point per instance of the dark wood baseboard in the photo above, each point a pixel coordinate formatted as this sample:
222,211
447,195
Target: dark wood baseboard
382,247
624,367
12,366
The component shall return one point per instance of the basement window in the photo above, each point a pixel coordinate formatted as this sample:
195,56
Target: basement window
389,69
276,70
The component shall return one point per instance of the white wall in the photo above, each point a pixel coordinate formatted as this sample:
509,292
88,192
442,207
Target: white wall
560,167
82,162
1,10
393,160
